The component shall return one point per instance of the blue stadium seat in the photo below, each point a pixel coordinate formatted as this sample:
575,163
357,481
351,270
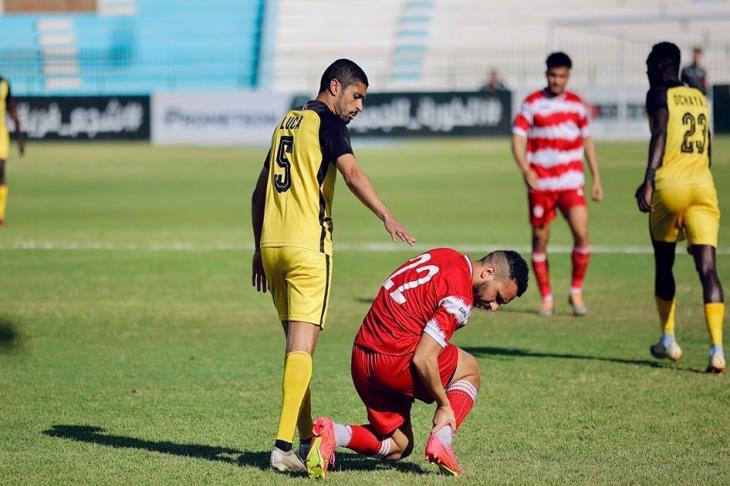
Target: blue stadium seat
167,45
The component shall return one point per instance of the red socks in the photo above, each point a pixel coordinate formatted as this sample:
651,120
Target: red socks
365,442
461,395
580,257
540,267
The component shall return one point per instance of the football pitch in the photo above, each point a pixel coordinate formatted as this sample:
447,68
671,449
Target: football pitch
133,349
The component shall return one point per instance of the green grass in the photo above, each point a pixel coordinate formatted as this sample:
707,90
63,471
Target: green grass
142,363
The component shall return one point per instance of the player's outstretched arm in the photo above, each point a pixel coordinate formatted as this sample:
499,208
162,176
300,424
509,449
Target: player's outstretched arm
518,152
360,185
425,360
645,191
258,276
592,156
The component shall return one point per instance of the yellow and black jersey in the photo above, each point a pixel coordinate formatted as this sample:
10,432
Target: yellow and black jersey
5,96
301,178
686,160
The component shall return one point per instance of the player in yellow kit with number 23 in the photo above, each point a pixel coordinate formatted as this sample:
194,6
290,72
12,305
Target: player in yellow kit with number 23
679,194
292,225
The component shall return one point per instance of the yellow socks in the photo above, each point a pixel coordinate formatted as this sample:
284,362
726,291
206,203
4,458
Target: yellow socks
714,316
666,314
297,374
304,424
3,201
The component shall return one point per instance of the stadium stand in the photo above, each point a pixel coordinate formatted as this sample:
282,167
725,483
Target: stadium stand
310,35
451,44
143,46
131,47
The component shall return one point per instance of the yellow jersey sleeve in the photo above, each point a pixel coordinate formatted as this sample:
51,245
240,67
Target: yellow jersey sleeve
4,96
686,160
301,178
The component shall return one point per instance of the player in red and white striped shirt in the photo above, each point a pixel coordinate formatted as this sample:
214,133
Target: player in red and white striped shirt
555,123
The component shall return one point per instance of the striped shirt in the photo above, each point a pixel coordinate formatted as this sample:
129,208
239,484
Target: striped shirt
554,127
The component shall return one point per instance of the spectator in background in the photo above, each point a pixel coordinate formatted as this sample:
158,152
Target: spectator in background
494,83
695,75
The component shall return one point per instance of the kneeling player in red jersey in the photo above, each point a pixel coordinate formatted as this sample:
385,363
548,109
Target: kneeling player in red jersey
402,353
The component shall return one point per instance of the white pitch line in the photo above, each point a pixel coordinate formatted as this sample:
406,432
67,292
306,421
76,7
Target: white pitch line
363,247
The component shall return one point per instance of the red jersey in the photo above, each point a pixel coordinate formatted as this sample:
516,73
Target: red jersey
431,293
555,127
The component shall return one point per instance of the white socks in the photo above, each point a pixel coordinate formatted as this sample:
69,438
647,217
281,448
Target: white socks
343,434
384,448
667,340
445,435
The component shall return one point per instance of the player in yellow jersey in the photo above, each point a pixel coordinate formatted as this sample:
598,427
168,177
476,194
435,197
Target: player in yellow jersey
7,106
679,194
292,225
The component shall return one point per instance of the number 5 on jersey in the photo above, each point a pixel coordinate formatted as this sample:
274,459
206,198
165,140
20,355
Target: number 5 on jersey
429,270
282,182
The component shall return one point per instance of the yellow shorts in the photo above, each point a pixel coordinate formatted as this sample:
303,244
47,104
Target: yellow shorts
685,211
299,281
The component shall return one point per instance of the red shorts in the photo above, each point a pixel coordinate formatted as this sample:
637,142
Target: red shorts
543,203
388,385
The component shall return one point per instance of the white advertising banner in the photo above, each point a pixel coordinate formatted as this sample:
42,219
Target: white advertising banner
236,118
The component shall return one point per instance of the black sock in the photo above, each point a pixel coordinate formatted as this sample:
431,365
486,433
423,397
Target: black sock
283,445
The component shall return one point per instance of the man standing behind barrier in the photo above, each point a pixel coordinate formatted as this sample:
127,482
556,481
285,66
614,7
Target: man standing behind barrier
292,225
694,75
555,123
7,105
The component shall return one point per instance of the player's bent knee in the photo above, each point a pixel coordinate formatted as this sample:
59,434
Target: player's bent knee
407,451
401,444
468,368
398,454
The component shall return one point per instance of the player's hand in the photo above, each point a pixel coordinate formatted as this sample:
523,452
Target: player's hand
597,190
443,417
397,231
643,196
530,179
258,276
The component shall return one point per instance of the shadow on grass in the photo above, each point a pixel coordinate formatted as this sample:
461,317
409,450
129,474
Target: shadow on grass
518,310
258,459
364,300
96,435
525,353
9,335
349,461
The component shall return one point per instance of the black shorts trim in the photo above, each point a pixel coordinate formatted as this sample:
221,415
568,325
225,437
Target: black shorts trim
326,289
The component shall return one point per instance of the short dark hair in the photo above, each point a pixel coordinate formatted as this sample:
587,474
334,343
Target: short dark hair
665,55
344,71
558,59
517,269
